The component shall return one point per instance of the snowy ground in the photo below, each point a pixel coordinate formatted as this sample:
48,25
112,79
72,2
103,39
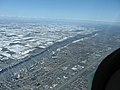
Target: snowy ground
18,39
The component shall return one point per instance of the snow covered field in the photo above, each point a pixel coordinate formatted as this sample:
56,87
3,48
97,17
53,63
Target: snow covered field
17,40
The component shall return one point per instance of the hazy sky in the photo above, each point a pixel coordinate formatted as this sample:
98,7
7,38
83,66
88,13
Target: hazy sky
107,10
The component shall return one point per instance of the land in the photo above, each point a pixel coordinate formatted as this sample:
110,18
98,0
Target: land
53,56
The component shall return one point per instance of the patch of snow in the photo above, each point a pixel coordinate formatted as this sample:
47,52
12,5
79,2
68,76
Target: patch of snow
58,49
42,46
0,69
0,49
5,54
49,43
58,78
54,56
16,48
26,51
64,38
53,52
95,35
54,85
76,67
18,75
51,87
65,77
78,40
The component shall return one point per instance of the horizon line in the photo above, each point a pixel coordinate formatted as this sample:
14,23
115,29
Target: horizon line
59,19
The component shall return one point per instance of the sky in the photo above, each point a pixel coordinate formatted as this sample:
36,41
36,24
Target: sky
101,10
